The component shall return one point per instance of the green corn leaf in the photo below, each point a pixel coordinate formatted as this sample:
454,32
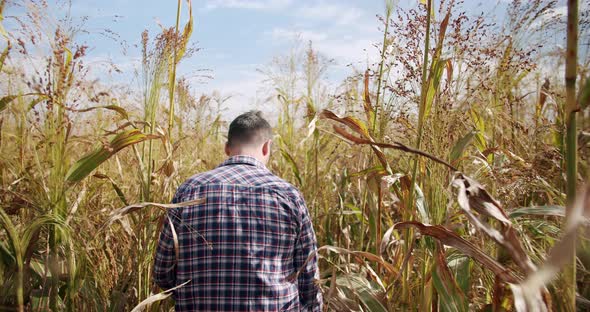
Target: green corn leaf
118,109
36,101
2,30
433,84
91,161
293,165
12,233
186,34
4,101
367,291
421,204
37,224
461,145
450,296
116,187
550,210
3,56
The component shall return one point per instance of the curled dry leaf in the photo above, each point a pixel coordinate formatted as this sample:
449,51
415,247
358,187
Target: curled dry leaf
449,238
120,213
157,297
394,145
472,196
360,128
359,255
529,295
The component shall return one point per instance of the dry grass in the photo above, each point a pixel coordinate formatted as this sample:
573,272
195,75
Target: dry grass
435,180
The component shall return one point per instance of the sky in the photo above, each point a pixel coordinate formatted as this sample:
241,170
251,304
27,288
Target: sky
236,38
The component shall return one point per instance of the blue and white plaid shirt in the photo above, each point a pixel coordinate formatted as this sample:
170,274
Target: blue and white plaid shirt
242,247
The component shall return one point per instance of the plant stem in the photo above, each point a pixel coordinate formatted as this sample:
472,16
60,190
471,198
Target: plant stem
172,82
571,137
380,77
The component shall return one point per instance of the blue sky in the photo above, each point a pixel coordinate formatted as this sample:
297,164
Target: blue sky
237,37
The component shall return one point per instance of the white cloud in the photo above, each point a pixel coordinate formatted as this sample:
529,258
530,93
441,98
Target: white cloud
296,35
343,49
240,84
248,4
330,12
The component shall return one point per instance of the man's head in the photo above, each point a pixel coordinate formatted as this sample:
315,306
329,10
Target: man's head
249,134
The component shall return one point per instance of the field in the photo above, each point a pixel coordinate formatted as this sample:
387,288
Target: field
448,176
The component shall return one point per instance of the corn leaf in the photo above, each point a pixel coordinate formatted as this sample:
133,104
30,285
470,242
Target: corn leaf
14,239
359,127
394,145
4,101
472,195
433,85
450,295
91,161
449,238
293,165
531,294
461,145
556,211
120,213
369,110
366,291
145,304
116,187
118,109
2,30
4,55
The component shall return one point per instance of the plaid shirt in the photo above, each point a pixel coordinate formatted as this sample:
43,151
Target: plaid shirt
239,248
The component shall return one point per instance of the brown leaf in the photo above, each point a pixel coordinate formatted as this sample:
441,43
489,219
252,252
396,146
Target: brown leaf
360,128
531,294
472,195
369,111
449,238
393,145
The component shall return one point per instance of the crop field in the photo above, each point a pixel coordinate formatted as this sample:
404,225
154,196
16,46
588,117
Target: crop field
448,175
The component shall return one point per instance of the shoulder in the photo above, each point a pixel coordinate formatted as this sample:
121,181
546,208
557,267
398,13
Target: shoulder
285,188
193,184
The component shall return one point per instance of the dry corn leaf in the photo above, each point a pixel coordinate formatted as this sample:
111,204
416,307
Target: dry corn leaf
472,196
449,238
155,298
530,295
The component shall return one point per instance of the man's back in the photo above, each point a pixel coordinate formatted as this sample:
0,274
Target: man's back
240,247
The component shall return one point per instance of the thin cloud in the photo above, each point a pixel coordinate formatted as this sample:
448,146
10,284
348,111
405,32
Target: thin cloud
296,35
248,4
336,13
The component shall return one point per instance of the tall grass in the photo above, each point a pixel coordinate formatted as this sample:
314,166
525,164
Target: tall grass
434,176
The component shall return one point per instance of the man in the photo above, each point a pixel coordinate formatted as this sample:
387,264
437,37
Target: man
245,248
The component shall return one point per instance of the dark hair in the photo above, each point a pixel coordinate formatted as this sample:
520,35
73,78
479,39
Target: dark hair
249,128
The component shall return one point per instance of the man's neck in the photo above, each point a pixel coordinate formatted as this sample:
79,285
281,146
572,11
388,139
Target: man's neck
249,154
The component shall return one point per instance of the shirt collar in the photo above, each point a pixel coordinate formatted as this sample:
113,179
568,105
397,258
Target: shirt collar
242,160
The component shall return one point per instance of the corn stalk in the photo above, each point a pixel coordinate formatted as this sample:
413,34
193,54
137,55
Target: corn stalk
571,108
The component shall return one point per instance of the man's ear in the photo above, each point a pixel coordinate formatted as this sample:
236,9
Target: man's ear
227,151
266,148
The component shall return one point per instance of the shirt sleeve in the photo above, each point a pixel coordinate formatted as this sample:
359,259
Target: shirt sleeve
310,297
165,259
